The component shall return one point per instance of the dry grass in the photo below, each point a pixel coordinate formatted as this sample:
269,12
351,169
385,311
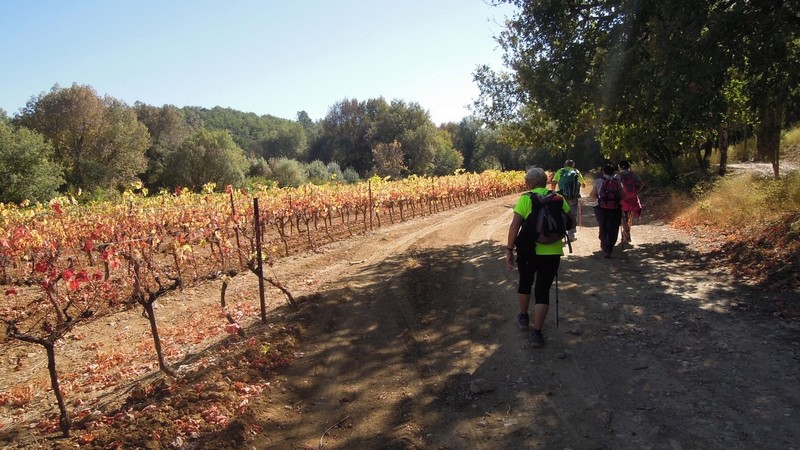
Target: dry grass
748,201
755,222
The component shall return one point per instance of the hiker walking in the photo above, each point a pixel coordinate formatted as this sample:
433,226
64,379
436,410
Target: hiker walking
535,261
608,211
568,182
631,205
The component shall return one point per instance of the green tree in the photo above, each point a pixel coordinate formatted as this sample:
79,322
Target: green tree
284,139
648,77
206,157
446,159
352,129
466,137
313,130
409,125
766,43
168,129
99,141
495,153
27,171
345,138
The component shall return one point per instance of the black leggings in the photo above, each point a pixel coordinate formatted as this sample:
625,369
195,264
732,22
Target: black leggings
608,222
546,266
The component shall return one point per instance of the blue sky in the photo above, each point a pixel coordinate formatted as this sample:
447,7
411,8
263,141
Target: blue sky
267,57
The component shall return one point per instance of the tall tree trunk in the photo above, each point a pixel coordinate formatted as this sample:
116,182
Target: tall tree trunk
768,133
723,148
708,147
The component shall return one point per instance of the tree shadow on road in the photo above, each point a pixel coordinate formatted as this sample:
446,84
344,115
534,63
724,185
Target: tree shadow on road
390,357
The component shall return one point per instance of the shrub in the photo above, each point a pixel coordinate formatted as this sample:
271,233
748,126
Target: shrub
317,172
335,172
350,175
288,172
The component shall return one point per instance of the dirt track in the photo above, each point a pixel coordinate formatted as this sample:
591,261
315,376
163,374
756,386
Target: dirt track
655,349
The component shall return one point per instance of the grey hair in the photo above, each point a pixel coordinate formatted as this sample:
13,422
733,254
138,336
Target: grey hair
535,177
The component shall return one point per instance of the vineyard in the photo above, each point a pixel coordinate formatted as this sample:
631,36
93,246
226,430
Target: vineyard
64,264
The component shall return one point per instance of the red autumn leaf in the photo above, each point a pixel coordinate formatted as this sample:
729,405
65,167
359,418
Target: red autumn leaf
82,276
11,291
42,266
88,245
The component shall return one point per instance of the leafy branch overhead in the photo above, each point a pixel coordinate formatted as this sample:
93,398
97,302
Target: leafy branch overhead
650,79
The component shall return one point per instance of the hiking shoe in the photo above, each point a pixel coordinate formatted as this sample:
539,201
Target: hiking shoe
522,321
537,339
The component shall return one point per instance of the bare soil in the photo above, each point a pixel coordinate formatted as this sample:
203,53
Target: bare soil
405,338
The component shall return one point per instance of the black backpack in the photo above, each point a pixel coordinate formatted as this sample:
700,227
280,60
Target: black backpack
547,223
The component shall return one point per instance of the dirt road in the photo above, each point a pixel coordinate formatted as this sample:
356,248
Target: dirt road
407,339
654,349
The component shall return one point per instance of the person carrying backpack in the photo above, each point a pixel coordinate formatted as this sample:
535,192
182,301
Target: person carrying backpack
631,205
537,258
608,210
568,182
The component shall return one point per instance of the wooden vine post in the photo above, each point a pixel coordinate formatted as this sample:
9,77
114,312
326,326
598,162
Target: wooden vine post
371,204
236,230
260,263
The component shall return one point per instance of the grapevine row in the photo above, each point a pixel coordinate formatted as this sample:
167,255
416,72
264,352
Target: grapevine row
64,262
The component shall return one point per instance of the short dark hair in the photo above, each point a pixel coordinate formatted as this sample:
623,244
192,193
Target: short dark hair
624,165
569,163
609,169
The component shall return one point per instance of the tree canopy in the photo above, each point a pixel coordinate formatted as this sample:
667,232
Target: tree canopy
27,170
98,141
648,77
206,157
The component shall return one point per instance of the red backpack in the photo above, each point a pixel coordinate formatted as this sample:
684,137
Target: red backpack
610,194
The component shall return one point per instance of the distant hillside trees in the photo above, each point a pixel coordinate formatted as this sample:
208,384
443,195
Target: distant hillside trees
72,139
